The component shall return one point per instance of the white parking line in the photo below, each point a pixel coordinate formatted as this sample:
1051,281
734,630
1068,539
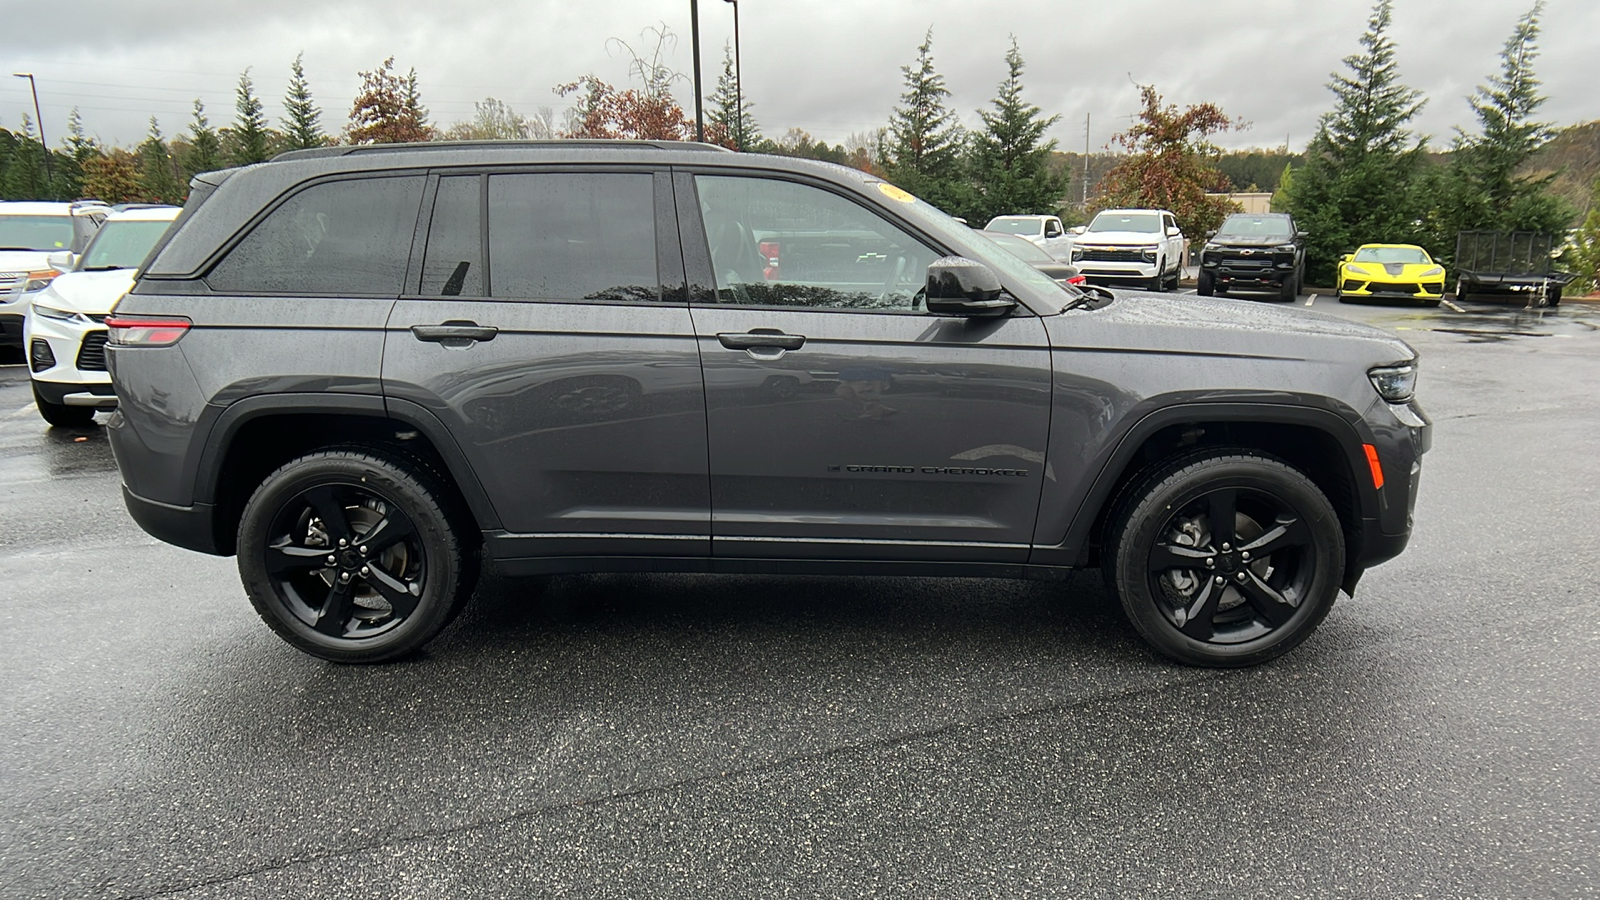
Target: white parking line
1452,306
1311,299
20,413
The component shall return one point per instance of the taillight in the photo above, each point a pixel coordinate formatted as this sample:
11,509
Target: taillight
139,331
1078,279
769,251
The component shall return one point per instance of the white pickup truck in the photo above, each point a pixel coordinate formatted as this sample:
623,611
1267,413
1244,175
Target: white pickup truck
1045,231
1131,247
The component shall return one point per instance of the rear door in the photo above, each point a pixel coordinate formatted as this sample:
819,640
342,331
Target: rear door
547,329
844,420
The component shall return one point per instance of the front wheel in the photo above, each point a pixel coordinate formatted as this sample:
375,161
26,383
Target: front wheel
1289,290
1158,284
1226,558
61,415
352,557
1205,284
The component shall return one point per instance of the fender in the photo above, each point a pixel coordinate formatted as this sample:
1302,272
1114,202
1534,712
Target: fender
1341,424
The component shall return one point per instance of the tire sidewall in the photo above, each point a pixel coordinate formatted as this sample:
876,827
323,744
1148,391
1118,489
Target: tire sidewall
394,484
1168,491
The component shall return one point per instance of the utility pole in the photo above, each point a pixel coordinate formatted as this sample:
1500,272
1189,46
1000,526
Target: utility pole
699,108
1085,159
738,78
49,177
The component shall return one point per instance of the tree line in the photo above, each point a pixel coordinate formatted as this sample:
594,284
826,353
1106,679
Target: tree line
1364,177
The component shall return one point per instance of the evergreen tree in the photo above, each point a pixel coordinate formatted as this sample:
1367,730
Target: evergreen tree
25,174
205,148
388,110
249,133
731,123
301,124
1010,160
158,172
922,152
79,144
1584,257
1484,189
414,109
1360,179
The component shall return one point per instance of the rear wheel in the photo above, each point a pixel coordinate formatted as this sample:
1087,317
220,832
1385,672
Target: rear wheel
61,415
353,557
1463,288
1226,558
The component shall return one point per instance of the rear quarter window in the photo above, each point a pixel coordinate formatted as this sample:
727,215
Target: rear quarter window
350,237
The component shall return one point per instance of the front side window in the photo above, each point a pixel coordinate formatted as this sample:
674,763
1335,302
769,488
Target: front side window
573,236
340,237
777,243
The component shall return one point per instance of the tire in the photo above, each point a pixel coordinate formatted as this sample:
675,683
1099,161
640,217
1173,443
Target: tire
1205,284
401,564
1165,558
1289,291
1177,277
1555,296
1463,288
60,415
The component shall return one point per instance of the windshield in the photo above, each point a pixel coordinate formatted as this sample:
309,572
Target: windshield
122,245
45,233
1255,226
1022,247
1143,223
1392,255
1007,266
1015,225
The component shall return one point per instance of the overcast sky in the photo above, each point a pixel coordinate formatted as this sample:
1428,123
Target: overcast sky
831,67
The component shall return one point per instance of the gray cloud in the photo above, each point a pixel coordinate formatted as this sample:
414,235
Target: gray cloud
827,66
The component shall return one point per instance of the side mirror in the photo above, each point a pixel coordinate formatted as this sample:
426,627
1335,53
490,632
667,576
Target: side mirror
958,286
1347,257
1302,234
62,260
1078,229
1173,232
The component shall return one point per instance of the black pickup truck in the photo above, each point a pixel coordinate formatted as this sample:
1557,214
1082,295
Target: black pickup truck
1254,252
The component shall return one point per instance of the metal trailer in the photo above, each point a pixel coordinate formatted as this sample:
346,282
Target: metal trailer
1509,262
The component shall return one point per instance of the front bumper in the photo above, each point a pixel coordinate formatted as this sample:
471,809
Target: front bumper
1403,290
1246,273
1402,433
67,359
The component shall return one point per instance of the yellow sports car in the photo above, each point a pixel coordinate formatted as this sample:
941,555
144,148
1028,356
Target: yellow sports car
1391,270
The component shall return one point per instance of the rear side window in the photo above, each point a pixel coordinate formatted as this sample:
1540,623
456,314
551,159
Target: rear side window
339,237
453,263
573,236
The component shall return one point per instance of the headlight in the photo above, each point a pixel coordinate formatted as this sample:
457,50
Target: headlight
1395,384
1357,268
60,315
38,281
1149,254
1286,248
1436,270
1211,246
1077,254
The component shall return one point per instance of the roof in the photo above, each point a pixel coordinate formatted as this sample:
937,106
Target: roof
146,214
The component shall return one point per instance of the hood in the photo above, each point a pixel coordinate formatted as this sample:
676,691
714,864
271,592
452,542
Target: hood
1396,271
1119,238
1244,240
92,293
24,260
1199,325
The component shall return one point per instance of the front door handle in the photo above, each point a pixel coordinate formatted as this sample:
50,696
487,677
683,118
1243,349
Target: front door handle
762,340
455,330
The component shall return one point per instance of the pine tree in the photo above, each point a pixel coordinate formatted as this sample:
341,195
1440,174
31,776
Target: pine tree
1484,188
249,136
731,122
413,105
25,174
301,123
922,153
1360,180
79,144
1010,160
158,174
205,148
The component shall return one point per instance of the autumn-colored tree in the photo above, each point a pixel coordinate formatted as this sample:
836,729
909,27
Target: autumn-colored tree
1171,164
495,120
113,177
648,112
388,109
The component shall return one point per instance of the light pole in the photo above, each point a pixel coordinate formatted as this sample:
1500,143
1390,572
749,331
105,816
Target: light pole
39,117
738,77
694,33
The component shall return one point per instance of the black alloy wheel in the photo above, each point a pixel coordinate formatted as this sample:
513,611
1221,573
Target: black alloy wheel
351,556
1227,558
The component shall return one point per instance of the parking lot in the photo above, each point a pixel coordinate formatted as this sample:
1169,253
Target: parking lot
694,736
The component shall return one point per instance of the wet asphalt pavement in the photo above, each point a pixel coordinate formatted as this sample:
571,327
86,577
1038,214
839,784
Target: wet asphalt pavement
688,736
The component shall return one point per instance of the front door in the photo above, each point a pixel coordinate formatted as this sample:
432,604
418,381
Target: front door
844,421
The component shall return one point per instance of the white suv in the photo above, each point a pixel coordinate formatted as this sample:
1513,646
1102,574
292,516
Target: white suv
1142,246
39,241
65,335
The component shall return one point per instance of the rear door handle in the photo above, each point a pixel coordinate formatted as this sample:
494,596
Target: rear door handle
760,340
453,331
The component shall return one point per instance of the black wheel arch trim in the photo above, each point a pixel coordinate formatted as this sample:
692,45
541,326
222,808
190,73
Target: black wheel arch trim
1342,425
225,423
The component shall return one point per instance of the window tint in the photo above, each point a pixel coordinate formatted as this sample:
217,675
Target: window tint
339,237
453,263
777,243
573,236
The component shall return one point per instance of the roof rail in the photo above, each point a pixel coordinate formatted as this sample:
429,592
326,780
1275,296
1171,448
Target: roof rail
555,144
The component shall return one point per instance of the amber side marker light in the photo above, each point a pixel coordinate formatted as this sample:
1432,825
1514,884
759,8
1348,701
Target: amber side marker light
1374,465
141,331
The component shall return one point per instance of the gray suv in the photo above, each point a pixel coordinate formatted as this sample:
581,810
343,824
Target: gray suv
364,370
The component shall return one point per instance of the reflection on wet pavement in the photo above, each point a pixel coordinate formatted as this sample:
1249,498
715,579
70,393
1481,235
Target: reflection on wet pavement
1483,322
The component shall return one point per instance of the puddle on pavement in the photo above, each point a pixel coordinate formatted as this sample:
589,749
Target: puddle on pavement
1494,322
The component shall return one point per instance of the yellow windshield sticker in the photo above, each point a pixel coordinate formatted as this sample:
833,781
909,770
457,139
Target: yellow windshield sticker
894,193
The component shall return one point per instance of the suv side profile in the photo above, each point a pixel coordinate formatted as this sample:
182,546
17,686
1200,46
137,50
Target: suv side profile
363,370
1254,252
